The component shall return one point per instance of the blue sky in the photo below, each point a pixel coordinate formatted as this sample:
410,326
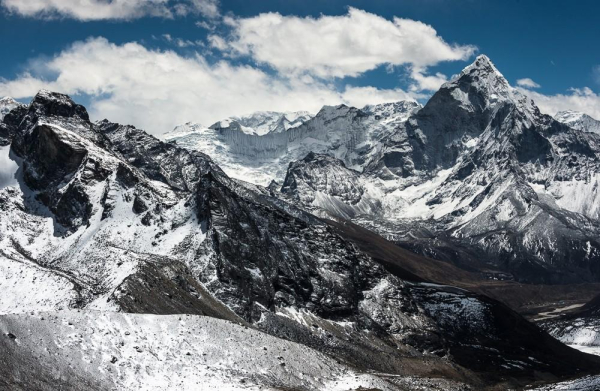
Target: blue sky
227,57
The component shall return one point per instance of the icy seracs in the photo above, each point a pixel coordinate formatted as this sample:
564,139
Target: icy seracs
258,148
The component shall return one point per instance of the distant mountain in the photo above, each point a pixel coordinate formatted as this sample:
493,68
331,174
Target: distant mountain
579,121
258,148
264,122
478,177
6,105
105,222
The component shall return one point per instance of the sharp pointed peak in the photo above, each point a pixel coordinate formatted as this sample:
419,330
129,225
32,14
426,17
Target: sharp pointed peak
483,58
482,73
483,64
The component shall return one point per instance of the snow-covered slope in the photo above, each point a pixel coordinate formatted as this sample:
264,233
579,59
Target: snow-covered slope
579,329
105,217
578,120
259,148
117,351
588,383
478,174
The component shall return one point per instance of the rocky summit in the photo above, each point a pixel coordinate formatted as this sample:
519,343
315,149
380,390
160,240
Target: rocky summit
478,177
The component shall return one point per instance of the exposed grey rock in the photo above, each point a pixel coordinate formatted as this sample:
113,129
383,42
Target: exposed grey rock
579,121
478,177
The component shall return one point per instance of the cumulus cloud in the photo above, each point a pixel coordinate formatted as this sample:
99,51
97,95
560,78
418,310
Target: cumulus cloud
208,8
217,42
527,83
340,46
86,10
423,82
156,90
578,99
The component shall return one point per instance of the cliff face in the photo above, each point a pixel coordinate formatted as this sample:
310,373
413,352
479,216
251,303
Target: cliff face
251,145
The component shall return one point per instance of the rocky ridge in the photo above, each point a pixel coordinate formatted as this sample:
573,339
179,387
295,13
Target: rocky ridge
478,177
579,121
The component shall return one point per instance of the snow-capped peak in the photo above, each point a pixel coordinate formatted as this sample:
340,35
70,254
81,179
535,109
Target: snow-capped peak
261,123
183,130
483,64
6,105
578,120
481,87
482,75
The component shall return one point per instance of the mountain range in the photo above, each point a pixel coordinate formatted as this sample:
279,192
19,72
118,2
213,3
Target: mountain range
478,177
377,248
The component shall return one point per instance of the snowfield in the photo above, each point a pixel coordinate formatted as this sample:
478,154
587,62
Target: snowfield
590,383
175,352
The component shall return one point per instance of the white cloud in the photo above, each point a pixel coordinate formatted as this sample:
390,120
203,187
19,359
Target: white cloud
423,82
527,83
217,42
180,42
208,8
339,46
86,10
206,25
156,90
578,99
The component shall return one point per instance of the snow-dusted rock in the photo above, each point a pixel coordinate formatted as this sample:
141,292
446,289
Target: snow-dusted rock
578,120
6,105
579,329
102,350
479,172
259,148
588,383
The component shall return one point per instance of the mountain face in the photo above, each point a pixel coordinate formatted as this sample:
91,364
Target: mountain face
578,328
104,218
478,177
259,148
6,106
579,121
